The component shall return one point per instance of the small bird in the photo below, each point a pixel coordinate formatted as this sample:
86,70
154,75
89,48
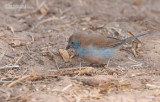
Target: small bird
96,49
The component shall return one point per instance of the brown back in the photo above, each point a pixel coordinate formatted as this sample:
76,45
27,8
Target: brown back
98,41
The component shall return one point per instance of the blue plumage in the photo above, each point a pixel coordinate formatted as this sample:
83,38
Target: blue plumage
93,51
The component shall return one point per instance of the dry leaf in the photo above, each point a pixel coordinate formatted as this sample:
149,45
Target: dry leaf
64,55
43,11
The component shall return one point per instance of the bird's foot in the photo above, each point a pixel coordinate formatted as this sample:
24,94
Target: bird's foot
102,65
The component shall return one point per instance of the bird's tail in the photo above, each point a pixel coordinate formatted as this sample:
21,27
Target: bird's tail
126,40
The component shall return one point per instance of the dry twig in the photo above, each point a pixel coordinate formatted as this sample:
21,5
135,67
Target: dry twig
15,82
9,66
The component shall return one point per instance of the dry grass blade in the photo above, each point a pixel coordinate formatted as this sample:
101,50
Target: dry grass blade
62,26
47,20
135,45
67,87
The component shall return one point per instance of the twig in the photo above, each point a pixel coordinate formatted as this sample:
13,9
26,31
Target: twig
66,10
18,59
65,88
47,20
73,71
15,82
134,52
4,81
152,86
9,66
132,60
32,76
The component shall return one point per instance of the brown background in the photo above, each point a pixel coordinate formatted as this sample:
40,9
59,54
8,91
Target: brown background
32,32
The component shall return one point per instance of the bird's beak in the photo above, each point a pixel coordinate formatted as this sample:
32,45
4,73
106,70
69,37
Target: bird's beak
68,47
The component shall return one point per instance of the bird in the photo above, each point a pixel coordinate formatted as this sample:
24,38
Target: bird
94,48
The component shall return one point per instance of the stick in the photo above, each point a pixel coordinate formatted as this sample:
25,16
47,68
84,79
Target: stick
9,66
15,82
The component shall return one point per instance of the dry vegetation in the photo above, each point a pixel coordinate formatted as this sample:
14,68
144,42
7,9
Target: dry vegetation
35,67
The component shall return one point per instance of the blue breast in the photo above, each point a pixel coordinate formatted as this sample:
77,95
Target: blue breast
95,52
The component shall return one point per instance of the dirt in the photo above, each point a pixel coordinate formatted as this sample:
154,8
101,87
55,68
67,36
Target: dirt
33,31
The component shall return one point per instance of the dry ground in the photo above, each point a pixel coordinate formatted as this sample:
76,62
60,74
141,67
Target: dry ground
33,31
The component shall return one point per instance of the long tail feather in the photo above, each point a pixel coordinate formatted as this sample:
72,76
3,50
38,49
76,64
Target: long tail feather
126,40
136,37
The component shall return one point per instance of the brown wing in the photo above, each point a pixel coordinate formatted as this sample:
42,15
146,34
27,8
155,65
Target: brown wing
99,41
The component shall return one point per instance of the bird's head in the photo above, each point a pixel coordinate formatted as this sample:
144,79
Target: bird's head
73,42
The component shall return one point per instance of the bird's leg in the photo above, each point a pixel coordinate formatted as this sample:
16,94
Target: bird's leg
102,65
91,64
107,63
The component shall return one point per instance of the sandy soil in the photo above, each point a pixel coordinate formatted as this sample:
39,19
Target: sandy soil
33,70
